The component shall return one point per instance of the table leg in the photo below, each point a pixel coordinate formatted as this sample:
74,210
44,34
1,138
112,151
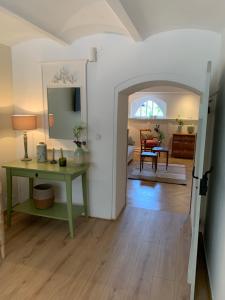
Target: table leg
85,194
9,196
69,204
140,163
167,159
156,162
31,185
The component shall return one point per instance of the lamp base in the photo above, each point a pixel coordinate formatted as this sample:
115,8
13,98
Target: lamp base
26,159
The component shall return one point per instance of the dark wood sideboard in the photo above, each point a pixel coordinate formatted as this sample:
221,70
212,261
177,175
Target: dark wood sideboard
183,145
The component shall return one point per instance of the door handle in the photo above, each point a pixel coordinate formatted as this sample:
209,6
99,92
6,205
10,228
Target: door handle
204,183
193,173
206,173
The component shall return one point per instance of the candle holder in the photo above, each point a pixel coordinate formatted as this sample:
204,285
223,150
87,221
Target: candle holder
53,161
62,159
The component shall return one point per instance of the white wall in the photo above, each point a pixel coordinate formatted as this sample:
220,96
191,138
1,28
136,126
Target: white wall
168,127
7,136
169,55
215,220
122,153
214,237
184,105
178,104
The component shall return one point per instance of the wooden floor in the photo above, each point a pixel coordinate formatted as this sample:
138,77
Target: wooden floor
159,196
142,255
202,287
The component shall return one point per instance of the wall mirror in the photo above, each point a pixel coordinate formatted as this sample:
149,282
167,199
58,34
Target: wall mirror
64,110
65,101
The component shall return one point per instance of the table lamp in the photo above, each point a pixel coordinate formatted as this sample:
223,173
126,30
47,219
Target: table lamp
24,122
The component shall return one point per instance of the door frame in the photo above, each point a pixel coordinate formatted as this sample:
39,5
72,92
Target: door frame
121,93
200,164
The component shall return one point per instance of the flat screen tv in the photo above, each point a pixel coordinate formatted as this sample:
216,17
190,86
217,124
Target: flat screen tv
76,99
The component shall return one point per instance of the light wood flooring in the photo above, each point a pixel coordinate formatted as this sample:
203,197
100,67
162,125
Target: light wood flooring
161,196
202,287
142,255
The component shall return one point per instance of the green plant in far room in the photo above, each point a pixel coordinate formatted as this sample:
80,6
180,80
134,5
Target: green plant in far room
160,133
180,123
191,127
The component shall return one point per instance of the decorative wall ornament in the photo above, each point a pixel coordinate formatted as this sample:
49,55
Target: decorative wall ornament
64,77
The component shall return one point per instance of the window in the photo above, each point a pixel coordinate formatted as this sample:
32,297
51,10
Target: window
149,109
144,105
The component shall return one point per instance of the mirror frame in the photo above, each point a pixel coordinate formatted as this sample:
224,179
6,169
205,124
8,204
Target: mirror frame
63,75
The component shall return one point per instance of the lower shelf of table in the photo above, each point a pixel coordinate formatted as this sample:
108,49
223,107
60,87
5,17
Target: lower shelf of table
57,211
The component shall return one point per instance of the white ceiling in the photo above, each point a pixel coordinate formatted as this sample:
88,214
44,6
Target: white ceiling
14,30
150,16
65,21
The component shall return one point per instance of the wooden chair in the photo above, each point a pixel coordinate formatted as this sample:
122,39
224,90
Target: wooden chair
148,140
2,230
148,154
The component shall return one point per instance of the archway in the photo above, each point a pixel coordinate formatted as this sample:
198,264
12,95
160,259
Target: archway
122,93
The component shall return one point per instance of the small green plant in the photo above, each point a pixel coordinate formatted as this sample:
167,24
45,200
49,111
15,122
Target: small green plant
77,132
179,121
161,135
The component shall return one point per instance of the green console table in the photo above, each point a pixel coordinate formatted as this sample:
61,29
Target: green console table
34,170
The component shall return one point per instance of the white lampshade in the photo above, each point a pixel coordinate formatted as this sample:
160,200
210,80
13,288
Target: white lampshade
24,122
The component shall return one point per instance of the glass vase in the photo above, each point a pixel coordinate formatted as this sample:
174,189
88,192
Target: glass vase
79,156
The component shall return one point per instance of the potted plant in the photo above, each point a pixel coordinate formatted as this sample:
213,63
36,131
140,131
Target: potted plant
180,124
191,129
79,154
161,135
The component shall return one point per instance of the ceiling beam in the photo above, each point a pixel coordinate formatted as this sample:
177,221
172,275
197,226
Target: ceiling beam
121,13
35,27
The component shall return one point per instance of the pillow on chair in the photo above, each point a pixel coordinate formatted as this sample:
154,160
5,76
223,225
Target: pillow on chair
146,136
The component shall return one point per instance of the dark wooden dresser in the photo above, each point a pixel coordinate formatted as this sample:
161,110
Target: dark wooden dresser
183,145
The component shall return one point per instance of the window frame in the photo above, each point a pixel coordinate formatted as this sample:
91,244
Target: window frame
135,105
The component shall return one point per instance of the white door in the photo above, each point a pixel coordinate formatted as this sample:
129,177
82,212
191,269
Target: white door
199,168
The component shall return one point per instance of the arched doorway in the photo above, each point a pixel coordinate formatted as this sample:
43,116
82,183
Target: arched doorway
122,93
120,142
